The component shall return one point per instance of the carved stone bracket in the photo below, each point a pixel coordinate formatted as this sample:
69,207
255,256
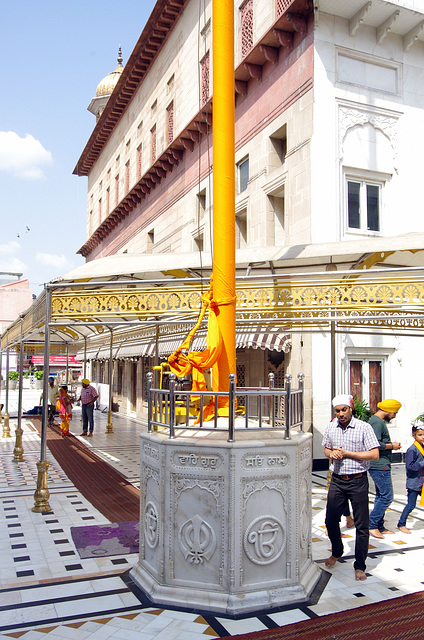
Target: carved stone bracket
270,53
356,20
285,38
412,36
298,22
386,27
255,70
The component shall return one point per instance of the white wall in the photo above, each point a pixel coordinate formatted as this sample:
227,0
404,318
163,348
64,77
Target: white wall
369,113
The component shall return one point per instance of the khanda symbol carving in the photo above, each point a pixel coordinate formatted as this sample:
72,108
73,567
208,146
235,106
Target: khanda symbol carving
197,540
264,540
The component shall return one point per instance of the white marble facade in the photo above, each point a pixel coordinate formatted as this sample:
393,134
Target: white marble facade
226,527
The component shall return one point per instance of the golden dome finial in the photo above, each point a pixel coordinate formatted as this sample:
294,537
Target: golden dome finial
107,85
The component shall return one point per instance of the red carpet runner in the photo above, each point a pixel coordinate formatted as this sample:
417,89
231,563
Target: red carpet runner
116,498
397,619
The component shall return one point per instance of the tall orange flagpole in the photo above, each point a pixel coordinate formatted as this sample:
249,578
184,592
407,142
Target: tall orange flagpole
224,259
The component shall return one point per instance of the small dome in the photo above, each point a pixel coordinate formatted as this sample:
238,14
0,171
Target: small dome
107,85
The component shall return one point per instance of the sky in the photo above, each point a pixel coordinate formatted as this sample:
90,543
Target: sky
54,53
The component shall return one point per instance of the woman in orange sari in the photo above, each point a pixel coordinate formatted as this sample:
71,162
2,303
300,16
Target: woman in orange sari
65,409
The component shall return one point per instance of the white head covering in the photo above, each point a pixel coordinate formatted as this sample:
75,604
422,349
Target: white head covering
344,399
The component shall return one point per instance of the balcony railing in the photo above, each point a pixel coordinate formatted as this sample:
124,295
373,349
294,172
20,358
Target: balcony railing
265,408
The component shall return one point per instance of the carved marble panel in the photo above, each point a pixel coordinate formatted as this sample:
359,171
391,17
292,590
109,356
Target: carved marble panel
197,530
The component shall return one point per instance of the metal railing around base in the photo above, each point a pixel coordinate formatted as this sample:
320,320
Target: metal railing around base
264,408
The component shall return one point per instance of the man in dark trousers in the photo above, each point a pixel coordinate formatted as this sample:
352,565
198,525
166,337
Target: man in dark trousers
88,397
350,444
380,470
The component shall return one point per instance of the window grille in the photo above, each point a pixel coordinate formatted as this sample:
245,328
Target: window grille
153,143
282,6
246,24
170,123
204,67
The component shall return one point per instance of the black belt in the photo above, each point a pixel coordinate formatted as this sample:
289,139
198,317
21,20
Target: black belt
351,476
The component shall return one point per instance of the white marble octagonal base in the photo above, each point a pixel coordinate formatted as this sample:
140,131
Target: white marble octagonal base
226,527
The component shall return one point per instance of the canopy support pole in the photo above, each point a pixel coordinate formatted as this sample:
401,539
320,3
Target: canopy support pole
6,428
109,425
41,495
18,450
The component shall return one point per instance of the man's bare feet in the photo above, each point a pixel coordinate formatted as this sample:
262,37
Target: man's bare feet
330,562
349,522
387,532
360,575
404,530
376,534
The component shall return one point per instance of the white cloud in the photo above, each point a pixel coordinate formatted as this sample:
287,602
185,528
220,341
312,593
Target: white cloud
12,264
11,247
24,157
52,259
9,262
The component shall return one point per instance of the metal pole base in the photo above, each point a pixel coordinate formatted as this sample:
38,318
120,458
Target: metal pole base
6,428
109,425
41,495
18,450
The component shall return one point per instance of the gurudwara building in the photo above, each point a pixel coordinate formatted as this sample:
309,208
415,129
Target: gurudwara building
329,125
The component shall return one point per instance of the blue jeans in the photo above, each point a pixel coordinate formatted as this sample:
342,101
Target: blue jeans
410,505
383,497
87,417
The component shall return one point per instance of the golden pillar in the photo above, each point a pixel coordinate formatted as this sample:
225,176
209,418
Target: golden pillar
41,495
6,428
109,425
18,450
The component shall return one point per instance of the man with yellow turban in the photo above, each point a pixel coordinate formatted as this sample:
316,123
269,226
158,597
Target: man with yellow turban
380,470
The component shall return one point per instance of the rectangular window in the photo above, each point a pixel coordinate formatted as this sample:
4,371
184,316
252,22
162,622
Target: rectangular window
153,144
150,241
201,205
363,205
198,242
127,177
170,123
116,190
170,84
139,160
278,148
366,381
241,229
243,174
107,201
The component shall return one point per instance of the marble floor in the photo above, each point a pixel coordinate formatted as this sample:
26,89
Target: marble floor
48,591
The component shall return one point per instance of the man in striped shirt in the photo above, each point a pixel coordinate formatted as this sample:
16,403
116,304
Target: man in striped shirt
350,444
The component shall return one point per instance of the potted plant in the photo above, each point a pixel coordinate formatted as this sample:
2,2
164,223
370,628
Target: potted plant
25,380
361,409
13,379
39,375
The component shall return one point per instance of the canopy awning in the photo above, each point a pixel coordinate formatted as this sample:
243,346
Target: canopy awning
271,338
403,250
373,281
